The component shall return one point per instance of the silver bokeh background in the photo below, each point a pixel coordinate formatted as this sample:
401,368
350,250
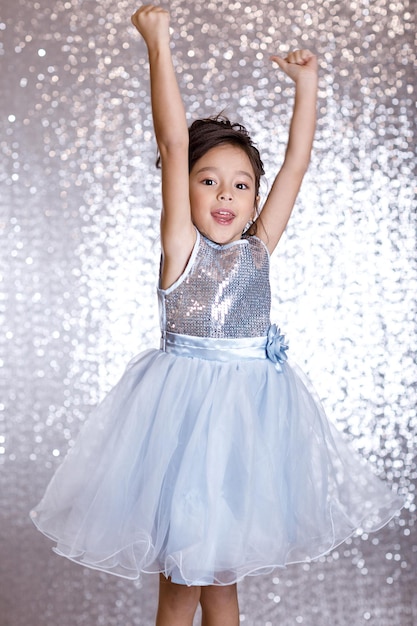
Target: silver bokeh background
79,208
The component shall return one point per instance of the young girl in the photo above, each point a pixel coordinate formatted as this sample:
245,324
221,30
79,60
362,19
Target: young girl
210,460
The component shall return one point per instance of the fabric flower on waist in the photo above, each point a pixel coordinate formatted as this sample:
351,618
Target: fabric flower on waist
276,347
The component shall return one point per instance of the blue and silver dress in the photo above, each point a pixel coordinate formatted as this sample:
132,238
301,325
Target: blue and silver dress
210,460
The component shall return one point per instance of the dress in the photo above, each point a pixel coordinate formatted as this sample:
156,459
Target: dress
210,459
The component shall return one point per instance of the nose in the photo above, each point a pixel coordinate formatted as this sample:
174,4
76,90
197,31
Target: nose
225,195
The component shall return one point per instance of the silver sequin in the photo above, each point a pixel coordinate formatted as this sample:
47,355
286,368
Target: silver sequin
224,292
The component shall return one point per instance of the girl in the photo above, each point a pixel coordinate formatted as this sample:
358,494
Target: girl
210,460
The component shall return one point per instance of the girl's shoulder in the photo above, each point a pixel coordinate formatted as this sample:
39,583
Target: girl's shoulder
188,267
256,243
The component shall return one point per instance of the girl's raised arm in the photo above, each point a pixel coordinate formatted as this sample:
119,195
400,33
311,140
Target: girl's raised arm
301,66
177,231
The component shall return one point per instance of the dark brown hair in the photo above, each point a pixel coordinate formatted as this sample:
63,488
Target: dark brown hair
205,134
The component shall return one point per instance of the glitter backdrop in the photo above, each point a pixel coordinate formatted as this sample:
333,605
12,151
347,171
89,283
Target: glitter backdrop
79,210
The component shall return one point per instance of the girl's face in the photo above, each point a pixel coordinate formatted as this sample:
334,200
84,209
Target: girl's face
222,193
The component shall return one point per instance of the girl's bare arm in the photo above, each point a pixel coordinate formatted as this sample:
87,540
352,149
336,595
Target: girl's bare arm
177,231
301,66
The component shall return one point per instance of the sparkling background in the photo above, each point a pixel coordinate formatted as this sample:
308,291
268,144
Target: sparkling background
79,252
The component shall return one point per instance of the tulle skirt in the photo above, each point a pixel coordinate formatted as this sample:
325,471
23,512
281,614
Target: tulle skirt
208,471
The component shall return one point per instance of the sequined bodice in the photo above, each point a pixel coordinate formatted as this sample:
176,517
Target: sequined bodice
223,292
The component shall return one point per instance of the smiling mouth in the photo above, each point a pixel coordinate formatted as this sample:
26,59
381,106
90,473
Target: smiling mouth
223,217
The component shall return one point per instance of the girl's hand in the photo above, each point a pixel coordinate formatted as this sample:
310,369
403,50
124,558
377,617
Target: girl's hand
298,64
153,24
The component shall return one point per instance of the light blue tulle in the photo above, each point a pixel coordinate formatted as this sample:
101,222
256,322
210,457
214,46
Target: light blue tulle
208,471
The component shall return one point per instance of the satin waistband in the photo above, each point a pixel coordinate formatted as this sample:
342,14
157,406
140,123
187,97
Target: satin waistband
214,349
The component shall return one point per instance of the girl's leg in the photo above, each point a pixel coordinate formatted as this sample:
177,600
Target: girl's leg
220,606
177,603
